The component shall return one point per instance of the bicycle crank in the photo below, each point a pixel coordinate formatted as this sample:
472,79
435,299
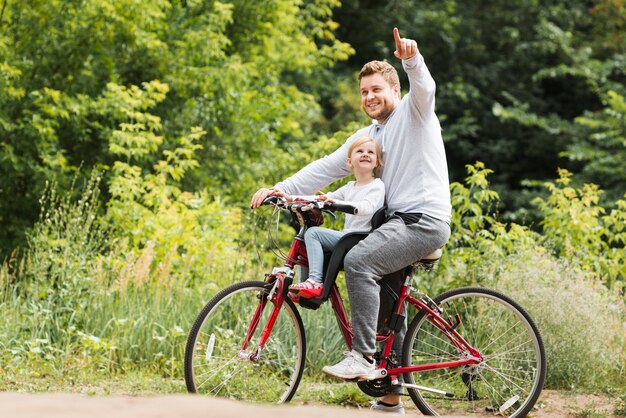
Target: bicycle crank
427,389
376,387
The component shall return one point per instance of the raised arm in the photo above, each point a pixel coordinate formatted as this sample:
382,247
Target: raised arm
422,85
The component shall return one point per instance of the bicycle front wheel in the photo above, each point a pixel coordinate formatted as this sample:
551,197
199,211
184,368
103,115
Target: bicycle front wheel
509,380
222,347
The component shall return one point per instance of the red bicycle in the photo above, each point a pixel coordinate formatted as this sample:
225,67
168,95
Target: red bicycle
473,350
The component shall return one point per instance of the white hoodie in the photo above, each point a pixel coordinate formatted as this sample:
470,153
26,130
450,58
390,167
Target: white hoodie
415,171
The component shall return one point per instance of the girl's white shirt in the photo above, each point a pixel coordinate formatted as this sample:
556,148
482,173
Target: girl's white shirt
367,199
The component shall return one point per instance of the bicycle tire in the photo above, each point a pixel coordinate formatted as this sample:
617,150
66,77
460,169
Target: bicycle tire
214,362
510,379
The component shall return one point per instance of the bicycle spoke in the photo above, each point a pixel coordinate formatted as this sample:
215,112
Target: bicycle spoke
273,377
511,374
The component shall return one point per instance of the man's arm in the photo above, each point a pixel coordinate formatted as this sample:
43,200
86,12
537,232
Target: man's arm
310,179
318,174
422,85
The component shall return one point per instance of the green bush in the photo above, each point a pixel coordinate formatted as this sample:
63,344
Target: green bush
570,277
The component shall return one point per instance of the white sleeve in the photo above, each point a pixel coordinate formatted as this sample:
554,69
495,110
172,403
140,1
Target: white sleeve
421,84
318,174
368,200
340,194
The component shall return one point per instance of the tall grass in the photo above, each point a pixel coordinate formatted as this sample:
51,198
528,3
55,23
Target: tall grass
81,300
583,324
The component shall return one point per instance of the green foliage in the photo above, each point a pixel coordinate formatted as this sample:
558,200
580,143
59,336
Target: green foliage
62,260
147,207
70,73
477,236
602,145
577,228
570,278
80,300
592,136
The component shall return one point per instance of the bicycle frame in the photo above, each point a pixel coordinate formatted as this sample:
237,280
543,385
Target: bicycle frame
253,327
297,256
447,328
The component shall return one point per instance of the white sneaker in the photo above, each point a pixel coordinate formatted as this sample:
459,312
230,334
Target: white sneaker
353,366
395,409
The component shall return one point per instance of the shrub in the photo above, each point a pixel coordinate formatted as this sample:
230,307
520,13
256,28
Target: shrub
576,227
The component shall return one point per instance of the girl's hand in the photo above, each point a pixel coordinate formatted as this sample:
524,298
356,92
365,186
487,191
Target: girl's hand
280,193
322,197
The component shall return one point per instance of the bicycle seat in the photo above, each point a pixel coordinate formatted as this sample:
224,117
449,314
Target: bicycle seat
432,257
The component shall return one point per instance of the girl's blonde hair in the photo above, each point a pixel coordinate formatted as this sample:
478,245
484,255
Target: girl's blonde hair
363,140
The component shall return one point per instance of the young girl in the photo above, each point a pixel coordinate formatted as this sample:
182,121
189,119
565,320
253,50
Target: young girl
366,193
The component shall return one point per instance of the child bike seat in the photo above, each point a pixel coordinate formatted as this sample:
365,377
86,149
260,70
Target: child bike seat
345,244
333,262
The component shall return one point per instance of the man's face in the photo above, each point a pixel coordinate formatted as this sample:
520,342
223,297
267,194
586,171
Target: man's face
378,97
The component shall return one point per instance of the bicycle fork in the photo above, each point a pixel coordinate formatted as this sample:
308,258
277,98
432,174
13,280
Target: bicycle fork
276,297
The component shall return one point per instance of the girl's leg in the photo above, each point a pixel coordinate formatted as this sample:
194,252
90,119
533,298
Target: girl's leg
317,240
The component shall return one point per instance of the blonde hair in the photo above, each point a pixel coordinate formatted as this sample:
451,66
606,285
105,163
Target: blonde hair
383,68
363,140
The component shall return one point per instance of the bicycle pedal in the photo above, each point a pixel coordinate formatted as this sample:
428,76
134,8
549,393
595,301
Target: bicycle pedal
310,303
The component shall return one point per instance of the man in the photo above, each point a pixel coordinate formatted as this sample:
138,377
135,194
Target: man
417,189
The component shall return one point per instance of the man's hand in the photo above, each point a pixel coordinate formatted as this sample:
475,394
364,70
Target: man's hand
261,195
405,48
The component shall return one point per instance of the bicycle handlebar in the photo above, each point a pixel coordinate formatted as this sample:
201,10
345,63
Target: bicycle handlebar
342,207
305,205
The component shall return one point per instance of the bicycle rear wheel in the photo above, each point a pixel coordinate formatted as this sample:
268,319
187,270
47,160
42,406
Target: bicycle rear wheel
511,377
218,364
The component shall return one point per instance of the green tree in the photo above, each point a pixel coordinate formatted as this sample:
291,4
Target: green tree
593,137
492,55
237,70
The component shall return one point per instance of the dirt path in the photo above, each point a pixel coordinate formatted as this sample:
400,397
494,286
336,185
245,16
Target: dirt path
53,405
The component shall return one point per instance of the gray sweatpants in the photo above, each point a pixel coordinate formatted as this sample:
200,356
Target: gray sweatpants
388,249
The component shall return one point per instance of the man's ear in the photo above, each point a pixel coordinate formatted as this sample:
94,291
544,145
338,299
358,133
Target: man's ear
396,89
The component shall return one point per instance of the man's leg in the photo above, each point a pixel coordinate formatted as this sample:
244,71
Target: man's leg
390,248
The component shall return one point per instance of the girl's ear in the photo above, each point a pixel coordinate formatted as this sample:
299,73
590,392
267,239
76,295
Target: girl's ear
349,162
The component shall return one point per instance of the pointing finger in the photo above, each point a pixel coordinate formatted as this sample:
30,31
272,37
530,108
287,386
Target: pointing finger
396,37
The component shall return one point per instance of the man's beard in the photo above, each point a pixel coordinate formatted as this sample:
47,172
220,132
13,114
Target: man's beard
380,115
